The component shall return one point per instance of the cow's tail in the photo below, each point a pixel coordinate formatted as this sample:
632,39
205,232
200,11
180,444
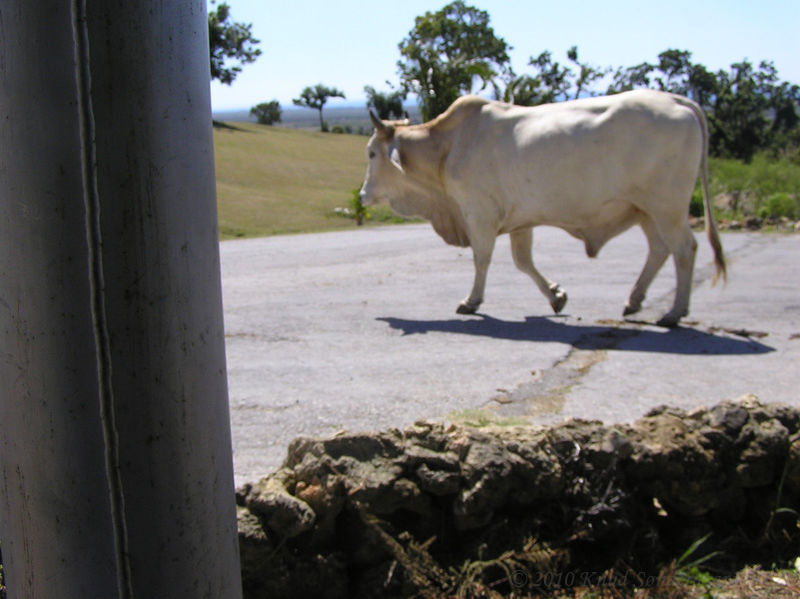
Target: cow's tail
711,227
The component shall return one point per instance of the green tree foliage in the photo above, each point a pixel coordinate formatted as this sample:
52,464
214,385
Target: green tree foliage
554,80
628,78
522,90
231,45
674,73
739,112
267,113
551,81
586,76
388,105
316,97
446,52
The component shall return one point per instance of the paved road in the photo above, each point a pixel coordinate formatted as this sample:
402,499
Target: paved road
358,331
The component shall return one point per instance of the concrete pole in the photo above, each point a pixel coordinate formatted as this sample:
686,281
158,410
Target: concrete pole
115,449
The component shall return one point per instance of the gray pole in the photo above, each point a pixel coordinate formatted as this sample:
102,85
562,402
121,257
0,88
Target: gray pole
115,449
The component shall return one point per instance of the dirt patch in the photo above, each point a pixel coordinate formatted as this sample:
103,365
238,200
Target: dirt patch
440,511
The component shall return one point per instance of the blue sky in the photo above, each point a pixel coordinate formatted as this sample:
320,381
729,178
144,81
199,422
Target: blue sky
349,44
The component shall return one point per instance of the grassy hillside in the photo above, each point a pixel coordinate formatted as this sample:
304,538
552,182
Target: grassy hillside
273,180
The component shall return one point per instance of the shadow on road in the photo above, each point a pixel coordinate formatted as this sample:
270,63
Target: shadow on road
679,340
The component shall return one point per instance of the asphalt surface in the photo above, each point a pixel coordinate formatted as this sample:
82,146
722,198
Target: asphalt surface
357,331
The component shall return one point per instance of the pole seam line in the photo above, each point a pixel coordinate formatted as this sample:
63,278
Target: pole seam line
91,198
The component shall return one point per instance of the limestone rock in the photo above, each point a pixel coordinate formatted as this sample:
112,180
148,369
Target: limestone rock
361,510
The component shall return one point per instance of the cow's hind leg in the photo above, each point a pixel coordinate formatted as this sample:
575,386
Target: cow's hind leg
656,256
482,248
521,248
684,249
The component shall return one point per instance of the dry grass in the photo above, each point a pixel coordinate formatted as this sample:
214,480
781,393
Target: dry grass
758,584
537,565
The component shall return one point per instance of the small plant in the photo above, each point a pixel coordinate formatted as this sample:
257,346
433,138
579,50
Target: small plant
689,572
377,214
359,211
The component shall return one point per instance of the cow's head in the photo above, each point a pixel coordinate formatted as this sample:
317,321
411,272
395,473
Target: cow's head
384,166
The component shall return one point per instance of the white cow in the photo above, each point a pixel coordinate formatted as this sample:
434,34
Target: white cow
593,167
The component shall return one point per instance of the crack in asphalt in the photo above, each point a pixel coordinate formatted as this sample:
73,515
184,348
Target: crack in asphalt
547,392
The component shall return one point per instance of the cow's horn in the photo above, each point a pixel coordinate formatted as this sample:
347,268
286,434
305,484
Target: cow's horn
379,124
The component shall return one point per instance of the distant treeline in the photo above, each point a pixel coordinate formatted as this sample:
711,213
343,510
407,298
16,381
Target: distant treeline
349,118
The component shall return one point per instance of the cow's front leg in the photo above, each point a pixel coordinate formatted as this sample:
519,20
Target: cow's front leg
482,248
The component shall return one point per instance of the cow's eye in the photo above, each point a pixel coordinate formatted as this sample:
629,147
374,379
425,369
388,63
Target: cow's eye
371,155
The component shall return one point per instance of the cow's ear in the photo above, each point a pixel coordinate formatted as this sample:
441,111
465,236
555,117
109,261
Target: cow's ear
394,157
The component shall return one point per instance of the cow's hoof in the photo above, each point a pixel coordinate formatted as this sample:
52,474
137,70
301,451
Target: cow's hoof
467,308
559,299
669,321
672,318
631,309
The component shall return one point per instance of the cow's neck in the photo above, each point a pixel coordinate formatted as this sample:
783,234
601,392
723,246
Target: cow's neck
422,156
424,194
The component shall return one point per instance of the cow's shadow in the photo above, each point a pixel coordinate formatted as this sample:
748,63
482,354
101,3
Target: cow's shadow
682,340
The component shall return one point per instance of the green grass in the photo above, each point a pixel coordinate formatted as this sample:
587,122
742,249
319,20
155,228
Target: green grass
768,187
272,180
763,176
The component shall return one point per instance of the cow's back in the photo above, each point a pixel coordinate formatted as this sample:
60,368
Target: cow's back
561,163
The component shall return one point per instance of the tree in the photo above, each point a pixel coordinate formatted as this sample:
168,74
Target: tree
553,82
785,130
675,66
628,78
587,74
387,105
229,41
739,120
522,90
675,72
680,76
267,112
316,97
446,52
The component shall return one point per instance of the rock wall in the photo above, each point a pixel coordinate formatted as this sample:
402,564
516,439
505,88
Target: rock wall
435,510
